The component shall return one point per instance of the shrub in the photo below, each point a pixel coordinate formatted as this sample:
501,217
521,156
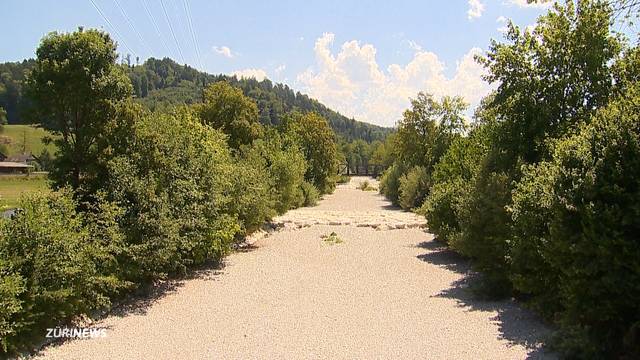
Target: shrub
310,193
390,182
253,201
413,188
343,179
452,179
366,186
49,268
442,209
583,235
175,179
485,230
285,166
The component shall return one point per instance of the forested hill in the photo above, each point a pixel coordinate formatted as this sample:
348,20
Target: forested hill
160,84
164,82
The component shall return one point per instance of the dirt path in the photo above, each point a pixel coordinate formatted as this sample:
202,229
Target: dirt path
386,291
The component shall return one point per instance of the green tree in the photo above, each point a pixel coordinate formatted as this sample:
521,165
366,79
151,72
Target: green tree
75,85
550,80
383,151
426,130
317,141
226,108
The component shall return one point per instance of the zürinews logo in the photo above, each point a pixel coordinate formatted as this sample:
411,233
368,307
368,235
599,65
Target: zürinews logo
76,333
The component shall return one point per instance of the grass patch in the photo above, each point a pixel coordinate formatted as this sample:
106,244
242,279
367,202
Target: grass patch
24,139
332,238
366,186
13,186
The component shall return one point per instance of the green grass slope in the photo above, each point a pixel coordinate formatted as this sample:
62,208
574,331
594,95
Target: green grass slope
19,139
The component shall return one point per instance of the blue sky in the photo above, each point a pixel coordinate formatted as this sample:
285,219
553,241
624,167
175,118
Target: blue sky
364,59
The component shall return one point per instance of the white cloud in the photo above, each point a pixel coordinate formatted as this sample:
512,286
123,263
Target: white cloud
224,51
353,83
504,24
414,45
525,4
476,8
258,74
280,69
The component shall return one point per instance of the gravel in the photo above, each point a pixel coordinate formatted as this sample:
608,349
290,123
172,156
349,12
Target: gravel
383,292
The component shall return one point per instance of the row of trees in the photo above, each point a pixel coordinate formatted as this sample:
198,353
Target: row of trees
141,195
542,191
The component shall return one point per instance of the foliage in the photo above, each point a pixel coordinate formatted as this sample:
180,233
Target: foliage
390,182
317,141
310,194
285,165
452,179
533,107
426,130
227,109
12,99
414,187
73,85
576,249
343,179
50,269
253,200
332,239
175,179
366,186
383,152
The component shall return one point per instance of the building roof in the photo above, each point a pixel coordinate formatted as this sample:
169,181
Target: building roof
15,165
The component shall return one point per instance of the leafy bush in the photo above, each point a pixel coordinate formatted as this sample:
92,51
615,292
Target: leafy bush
442,209
50,269
366,186
253,201
343,179
310,194
452,179
390,182
414,187
175,179
576,220
286,167
485,230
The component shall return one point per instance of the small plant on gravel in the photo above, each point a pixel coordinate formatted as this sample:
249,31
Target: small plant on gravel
366,186
343,179
332,238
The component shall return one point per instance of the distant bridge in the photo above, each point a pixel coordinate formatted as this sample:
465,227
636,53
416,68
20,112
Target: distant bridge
358,170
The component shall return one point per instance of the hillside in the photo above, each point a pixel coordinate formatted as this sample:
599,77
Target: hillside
160,84
23,139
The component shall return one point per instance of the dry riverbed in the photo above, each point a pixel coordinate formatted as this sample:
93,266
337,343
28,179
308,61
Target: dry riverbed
385,289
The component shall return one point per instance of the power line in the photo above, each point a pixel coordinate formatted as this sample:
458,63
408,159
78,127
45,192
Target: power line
193,34
112,26
156,27
124,14
166,16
